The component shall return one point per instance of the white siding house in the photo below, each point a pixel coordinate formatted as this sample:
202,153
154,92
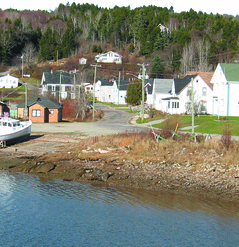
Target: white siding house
110,91
203,93
226,90
162,88
109,57
82,60
8,81
174,95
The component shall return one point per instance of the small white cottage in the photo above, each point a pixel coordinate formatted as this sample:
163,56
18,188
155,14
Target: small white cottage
8,81
109,57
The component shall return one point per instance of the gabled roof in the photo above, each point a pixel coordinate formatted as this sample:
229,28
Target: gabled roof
123,85
206,76
163,86
180,84
102,54
106,82
43,101
54,78
231,71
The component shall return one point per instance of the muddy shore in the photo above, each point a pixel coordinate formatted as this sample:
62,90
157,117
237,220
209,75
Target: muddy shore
56,157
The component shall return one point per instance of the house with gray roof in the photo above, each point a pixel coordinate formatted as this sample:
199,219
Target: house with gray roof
60,84
225,82
113,91
162,88
41,109
174,95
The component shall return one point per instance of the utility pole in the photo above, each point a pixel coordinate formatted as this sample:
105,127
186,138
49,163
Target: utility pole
25,109
118,87
143,82
60,89
192,106
22,65
95,66
75,85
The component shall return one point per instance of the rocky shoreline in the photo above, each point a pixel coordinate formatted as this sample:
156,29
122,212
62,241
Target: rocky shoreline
46,159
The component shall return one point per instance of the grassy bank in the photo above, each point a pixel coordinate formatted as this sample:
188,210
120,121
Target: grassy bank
203,124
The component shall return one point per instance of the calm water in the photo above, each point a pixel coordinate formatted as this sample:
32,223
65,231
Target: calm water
56,213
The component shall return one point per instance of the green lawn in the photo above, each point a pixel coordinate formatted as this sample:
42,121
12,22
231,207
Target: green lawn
207,124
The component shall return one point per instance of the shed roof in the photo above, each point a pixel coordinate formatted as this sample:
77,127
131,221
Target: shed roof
43,101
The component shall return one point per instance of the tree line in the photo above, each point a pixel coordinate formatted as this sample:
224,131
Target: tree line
180,41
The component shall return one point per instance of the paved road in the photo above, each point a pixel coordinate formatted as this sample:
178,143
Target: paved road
113,122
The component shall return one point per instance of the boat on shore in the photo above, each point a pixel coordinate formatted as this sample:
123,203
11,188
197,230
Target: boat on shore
13,130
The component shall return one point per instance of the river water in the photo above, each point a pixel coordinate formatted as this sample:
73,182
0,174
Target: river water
57,213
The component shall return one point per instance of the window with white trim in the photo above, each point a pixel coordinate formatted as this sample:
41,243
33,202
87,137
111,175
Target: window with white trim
36,113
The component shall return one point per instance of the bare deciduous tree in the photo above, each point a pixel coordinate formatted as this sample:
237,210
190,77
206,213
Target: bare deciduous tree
188,58
29,52
203,51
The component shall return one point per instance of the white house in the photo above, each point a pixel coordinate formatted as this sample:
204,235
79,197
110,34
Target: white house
109,57
174,95
82,60
111,91
8,81
162,88
225,82
203,93
163,28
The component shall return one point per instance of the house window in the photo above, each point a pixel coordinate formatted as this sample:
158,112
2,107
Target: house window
53,88
36,113
51,111
169,104
204,91
175,104
189,92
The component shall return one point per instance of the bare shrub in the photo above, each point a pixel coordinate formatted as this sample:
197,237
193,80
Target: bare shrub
165,133
172,122
226,138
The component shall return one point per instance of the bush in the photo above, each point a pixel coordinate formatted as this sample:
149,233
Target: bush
226,138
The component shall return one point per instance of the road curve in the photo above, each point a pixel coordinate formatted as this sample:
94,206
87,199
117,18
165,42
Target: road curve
113,122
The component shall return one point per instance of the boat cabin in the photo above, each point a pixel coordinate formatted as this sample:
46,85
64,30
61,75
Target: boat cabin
8,122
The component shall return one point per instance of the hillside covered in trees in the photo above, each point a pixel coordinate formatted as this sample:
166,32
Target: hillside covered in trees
179,41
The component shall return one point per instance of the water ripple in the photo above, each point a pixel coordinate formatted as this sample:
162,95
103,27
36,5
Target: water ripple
57,213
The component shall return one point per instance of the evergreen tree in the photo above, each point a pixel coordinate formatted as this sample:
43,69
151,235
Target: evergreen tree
47,45
157,70
134,93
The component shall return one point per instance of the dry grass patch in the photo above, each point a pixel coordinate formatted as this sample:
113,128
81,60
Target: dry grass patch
143,146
